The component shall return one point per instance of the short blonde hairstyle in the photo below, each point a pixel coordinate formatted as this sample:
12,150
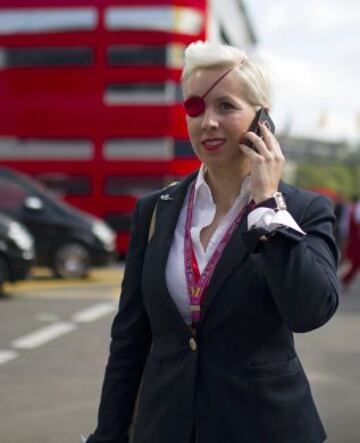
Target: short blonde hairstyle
206,55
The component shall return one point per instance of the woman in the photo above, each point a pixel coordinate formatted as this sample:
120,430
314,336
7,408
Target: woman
237,262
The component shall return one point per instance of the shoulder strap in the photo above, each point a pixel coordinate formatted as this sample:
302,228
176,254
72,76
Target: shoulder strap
154,214
152,222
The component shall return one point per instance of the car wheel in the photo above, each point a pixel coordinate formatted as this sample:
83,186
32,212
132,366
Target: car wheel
4,273
71,260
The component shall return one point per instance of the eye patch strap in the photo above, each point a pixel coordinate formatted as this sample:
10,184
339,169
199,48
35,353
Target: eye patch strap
218,80
195,104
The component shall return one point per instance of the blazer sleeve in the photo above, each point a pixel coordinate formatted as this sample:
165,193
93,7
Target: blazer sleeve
130,343
301,269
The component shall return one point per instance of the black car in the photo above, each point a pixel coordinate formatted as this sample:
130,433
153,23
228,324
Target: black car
16,250
67,240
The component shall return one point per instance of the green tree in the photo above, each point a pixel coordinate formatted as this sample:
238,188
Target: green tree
336,177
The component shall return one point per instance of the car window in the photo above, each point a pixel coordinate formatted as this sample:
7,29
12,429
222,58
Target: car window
12,195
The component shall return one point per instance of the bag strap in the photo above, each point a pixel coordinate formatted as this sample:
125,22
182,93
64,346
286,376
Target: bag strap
155,212
152,223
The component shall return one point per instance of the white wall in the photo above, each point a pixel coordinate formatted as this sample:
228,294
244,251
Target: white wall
228,15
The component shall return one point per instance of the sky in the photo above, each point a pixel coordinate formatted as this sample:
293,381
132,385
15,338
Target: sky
311,51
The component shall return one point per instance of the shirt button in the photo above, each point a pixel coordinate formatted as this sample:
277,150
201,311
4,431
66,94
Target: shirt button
193,344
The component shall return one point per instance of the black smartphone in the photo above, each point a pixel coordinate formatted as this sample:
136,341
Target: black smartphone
263,116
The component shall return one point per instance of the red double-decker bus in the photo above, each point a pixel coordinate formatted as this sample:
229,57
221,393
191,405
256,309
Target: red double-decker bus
90,97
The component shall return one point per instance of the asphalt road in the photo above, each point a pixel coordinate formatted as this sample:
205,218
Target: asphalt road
54,340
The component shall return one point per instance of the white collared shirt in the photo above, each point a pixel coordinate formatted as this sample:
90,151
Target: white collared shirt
203,213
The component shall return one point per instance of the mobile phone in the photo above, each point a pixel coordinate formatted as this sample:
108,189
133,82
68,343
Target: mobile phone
261,115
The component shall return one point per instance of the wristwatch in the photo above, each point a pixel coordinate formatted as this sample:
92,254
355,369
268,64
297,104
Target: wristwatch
276,202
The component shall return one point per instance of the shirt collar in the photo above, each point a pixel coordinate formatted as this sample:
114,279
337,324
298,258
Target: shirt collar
202,188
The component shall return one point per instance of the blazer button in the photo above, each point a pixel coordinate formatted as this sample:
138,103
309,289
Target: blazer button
193,344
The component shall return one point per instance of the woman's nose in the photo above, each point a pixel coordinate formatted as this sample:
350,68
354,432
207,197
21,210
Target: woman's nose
209,120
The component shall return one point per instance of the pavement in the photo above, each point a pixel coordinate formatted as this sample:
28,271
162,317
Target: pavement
331,358
54,340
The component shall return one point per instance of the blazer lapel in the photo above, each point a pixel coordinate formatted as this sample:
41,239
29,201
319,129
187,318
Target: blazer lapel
169,211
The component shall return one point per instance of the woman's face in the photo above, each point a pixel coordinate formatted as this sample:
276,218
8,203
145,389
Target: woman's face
216,133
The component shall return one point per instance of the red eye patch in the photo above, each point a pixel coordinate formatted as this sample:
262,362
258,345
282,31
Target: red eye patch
195,105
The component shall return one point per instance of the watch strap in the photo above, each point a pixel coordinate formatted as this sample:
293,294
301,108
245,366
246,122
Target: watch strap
276,202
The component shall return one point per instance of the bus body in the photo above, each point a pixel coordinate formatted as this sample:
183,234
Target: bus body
90,97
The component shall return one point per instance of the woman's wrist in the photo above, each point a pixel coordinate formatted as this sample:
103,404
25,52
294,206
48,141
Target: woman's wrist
262,197
276,201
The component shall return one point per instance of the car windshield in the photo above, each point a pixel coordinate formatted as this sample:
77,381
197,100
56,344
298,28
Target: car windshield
35,185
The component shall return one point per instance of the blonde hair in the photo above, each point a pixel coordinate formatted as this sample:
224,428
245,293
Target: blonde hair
206,55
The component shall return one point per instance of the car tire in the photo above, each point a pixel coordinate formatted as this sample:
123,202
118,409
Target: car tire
71,260
4,273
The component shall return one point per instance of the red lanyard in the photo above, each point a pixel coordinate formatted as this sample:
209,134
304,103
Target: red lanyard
196,282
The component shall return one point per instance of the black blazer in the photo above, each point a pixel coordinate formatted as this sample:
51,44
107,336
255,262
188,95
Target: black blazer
240,379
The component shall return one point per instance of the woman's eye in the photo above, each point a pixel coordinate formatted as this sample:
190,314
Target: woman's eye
226,105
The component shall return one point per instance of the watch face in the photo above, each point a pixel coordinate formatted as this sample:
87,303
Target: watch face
280,201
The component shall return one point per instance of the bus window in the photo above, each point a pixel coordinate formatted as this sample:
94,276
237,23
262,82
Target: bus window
136,55
64,184
174,19
183,148
43,57
140,93
134,186
32,149
140,55
139,149
34,20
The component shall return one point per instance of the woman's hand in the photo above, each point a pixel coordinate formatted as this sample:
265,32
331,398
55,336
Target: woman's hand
266,164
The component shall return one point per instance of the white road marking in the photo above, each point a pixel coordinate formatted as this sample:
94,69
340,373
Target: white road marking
6,356
43,336
94,312
47,317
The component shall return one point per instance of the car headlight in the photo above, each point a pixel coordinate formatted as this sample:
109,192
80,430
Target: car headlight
104,234
20,236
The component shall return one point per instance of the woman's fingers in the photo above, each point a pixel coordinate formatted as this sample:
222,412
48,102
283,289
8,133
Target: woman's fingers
272,157
266,147
266,136
250,152
270,140
259,144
